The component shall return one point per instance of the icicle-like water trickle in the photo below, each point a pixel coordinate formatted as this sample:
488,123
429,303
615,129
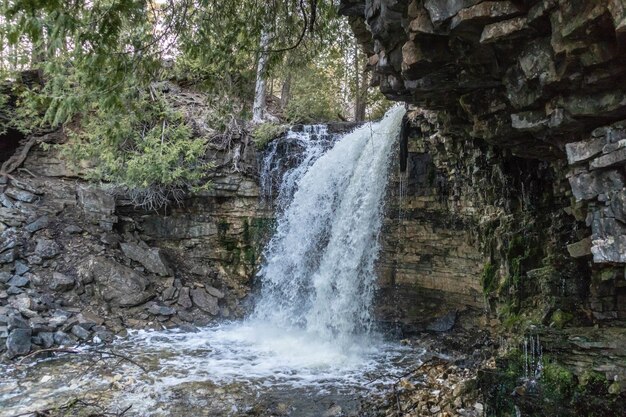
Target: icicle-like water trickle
319,270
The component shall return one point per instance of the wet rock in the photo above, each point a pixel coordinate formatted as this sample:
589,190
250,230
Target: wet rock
161,310
80,332
102,335
47,248
47,339
61,282
18,342
19,281
204,301
40,223
188,328
333,411
444,323
62,339
150,258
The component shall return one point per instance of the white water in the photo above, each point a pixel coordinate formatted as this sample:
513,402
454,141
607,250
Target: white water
311,335
319,269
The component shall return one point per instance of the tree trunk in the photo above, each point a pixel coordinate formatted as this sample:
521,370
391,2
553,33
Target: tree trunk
285,92
259,106
360,81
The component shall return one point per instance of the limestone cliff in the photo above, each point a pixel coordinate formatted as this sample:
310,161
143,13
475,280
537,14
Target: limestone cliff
513,198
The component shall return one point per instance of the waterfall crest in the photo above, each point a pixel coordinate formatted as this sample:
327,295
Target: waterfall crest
318,273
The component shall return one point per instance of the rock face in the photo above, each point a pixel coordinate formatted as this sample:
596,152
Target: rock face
78,262
515,180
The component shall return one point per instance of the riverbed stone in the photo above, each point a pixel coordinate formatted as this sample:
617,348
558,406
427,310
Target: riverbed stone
19,281
205,301
47,248
61,282
41,223
18,342
20,195
80,332
184,298
21,268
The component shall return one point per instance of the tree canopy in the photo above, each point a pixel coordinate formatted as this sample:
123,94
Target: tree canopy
100,60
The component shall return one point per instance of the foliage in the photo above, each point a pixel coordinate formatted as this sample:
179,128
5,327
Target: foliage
488,278
266,132
149,151
97,62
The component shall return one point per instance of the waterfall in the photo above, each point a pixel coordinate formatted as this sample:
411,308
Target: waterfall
286,160
318,273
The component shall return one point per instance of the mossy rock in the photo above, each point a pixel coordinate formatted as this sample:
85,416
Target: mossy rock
560,318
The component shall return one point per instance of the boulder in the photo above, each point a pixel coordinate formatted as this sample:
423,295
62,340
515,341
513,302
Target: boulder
21,195
38,224
214,292
184,298
61,282
117,284
19,281
47,248
80,332
204,301
161,310
18,342
21,268
150,258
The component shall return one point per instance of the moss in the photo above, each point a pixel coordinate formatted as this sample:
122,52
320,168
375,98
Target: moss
560,318
488,278
222,228
557,382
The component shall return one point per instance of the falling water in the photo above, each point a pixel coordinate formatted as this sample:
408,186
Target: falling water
286,160
319,269
309,340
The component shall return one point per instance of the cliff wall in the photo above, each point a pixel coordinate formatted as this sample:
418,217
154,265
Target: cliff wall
513,197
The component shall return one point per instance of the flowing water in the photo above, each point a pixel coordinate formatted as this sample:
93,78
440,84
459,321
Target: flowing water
310,343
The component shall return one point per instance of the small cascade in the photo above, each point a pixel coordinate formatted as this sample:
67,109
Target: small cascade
286,160
319,269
